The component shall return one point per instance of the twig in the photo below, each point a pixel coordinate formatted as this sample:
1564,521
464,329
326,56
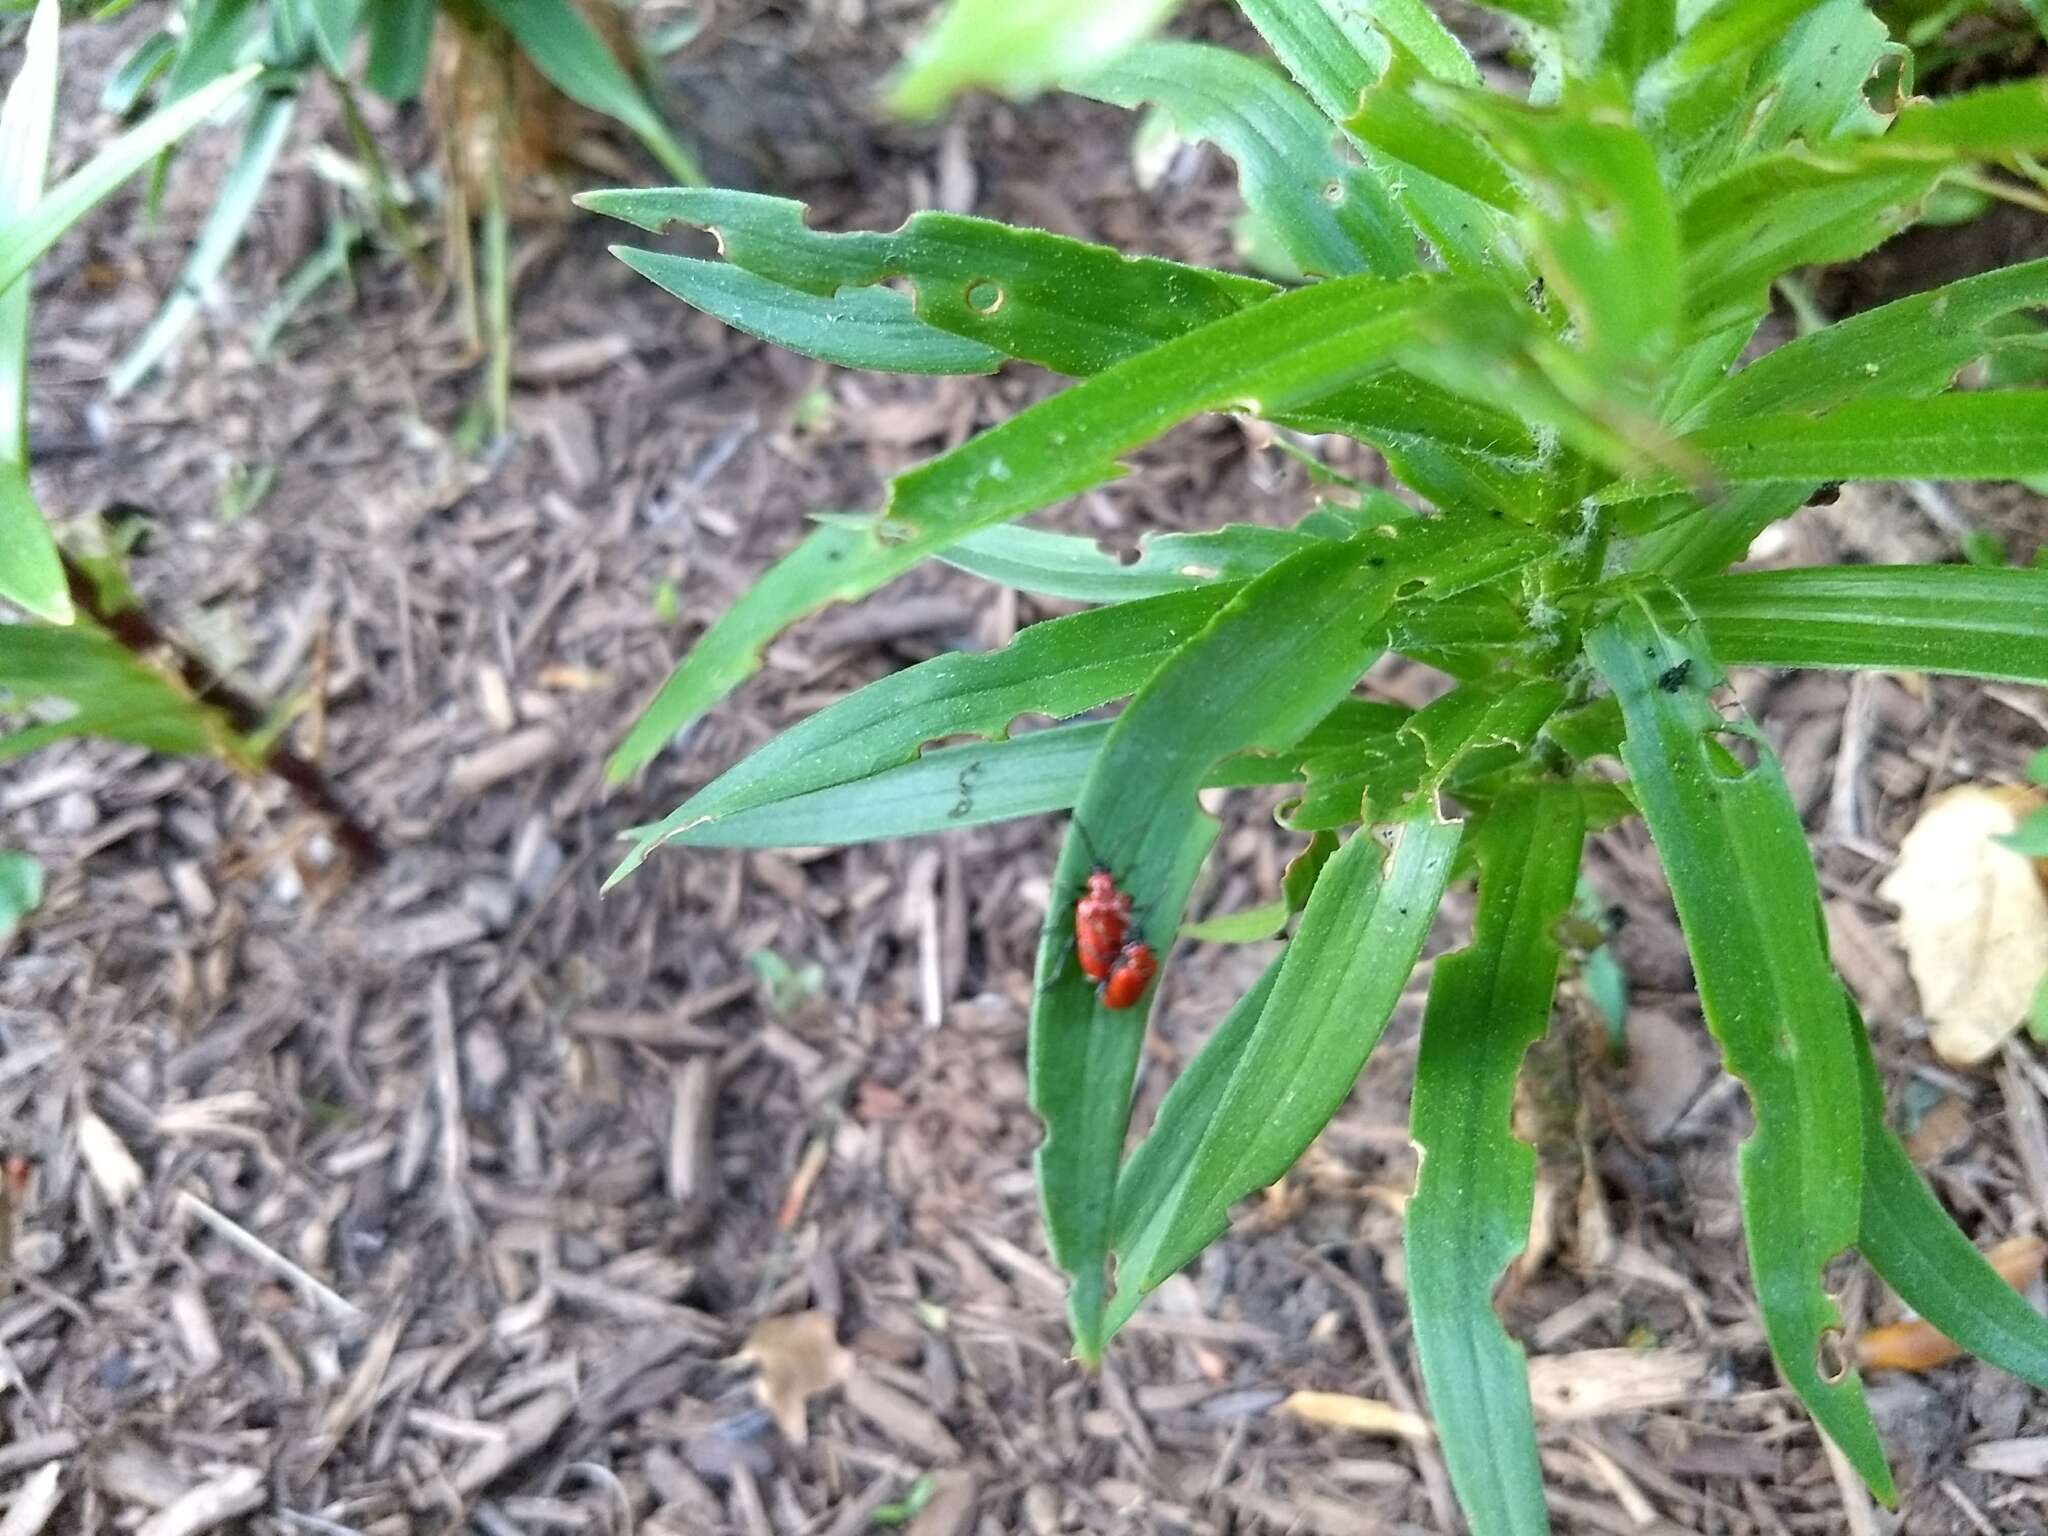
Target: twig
1435,1481
448,1091
1845,799
332,1302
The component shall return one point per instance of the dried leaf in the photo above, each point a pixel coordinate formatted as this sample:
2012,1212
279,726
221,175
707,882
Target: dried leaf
1973,918
1367,1415
798,1357
1917,1345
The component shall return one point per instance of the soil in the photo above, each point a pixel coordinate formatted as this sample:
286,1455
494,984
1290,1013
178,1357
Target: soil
450,1192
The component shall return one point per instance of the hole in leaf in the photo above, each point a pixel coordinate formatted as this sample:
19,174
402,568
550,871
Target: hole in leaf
1831,1356
897,282
1333,194
984,297
1411,586
1731,753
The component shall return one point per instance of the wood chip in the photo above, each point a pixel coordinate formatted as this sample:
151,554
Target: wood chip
477,771
30,1506
207,1507
1369,1416
903,1419
523,1433
2025,1457
950,1509
1592,1383
693,1119
115,1173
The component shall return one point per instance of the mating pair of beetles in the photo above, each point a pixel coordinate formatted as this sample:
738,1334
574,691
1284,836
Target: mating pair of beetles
1120,964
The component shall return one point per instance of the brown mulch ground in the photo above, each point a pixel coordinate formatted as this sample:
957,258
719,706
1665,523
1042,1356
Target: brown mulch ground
448,1194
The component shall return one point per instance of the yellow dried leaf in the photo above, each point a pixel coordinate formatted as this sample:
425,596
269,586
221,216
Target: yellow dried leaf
1973,918
798,1357
1367,1415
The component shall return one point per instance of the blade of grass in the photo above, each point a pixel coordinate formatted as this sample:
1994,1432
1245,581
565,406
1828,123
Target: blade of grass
31,576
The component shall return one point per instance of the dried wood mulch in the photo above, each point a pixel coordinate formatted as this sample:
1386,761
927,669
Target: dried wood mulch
446,1196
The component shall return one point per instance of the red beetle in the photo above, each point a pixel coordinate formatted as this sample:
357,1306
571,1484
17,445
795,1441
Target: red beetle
1132,973
1102,917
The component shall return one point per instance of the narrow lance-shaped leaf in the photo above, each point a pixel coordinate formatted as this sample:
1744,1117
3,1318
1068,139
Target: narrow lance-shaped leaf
401,38
1332,217
1918,1250
1334,52
1023,293
872,328
24,239
1065,565
1058,668
113,694
1910,347
1276,659
1735,855
1045,299
576,61
30,573
1020,47
1597,218
951,788
1993,435
234,205
1248,1106
1970,621
1474,1193
1300,344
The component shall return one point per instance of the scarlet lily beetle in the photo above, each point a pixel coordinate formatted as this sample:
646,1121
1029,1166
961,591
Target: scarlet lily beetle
1101,919
1132,973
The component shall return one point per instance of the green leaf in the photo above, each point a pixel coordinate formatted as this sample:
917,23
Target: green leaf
1912,346
860,328
24,239
1298,345
1798,207
1402,115
1335,55
1059,668
1021,293
1602,229
401,39
1918,1250
110,694
31,575
1956,619
2037,767
125,88
1019,47
234,205
215,35
567,50
1248,1106
1990,122
334,25
1246,925
1332,217
1488,1003
2029,838
1993,435
1077,569
1279,657
21,890
1080,309
1735,855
